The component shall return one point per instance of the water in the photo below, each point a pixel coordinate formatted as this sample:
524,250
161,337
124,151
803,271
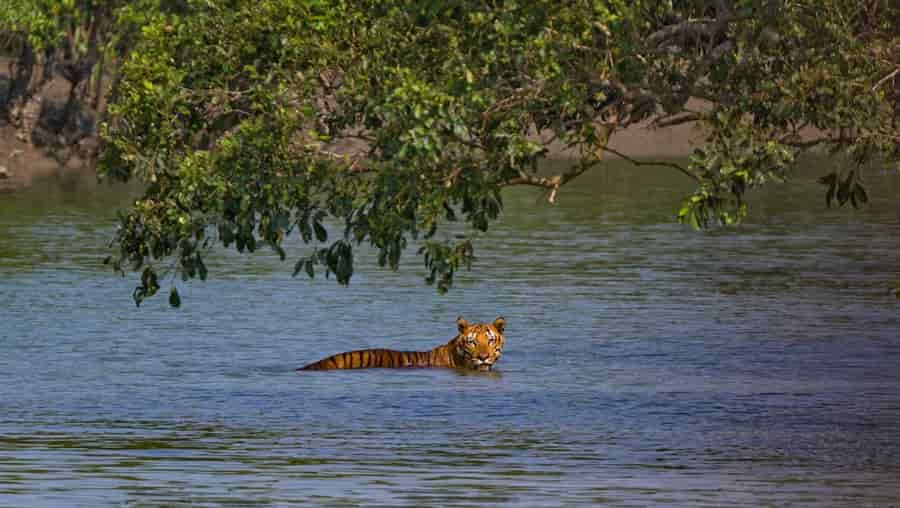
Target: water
645,364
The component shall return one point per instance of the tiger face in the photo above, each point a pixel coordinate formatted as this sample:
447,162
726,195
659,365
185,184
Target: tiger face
479,346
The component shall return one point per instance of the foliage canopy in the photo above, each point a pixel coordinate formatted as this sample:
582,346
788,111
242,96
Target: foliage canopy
77,43
252,121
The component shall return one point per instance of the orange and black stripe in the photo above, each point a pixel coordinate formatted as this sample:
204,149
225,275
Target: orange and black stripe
373,358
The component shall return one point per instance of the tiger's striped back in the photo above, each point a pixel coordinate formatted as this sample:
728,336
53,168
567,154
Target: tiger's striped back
374,358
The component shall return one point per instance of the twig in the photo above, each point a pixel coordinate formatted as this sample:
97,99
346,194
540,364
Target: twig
448,181
889,76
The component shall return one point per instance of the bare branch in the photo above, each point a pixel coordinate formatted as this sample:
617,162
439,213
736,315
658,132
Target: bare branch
804,145
355,162
676,120
636,162
889,76
534,180
553,182
577,170
692,28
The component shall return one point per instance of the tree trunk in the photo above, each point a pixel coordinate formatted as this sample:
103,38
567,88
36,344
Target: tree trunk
24,106
21,71
98,82
79,74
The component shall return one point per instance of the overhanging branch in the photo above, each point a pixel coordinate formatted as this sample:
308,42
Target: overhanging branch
676,120
693,28
553,182
636,162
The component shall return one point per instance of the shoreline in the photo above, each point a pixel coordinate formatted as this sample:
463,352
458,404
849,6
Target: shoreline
21,164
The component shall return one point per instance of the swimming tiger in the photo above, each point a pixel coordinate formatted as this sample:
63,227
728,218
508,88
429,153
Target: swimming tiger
476,347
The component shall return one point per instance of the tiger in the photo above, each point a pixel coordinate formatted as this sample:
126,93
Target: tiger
476,347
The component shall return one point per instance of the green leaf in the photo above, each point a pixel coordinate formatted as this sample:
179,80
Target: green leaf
321,234
305,231
859,193
448,212
694,219
138,295
174,299
843,192
226,234
829,196
201,267
281,253
828,179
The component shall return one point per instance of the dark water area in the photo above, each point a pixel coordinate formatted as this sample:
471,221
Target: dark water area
645,364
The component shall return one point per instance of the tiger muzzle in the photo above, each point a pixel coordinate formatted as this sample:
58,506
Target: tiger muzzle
482,364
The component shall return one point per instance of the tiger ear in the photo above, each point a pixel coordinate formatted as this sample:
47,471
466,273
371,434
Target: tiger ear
499,323
462,324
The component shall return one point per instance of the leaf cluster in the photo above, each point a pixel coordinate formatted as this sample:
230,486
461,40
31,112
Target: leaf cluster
382,122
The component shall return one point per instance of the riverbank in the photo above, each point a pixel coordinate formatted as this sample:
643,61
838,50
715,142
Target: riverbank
24,162
21,164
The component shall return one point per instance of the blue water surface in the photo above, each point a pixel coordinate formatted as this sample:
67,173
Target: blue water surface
645,364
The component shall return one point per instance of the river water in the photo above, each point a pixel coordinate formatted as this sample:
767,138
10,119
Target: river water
645,364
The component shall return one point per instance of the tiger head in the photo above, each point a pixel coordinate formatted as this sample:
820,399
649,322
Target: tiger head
479,346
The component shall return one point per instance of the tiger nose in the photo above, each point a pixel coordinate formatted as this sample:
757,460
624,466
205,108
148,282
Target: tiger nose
483,357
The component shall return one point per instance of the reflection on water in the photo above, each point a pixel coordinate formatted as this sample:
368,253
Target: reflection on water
645,364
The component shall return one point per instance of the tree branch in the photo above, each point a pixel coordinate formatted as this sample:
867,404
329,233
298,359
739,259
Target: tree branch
889,76
636,162
804,145
553,182
689,27
676,120
534,180
692,27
